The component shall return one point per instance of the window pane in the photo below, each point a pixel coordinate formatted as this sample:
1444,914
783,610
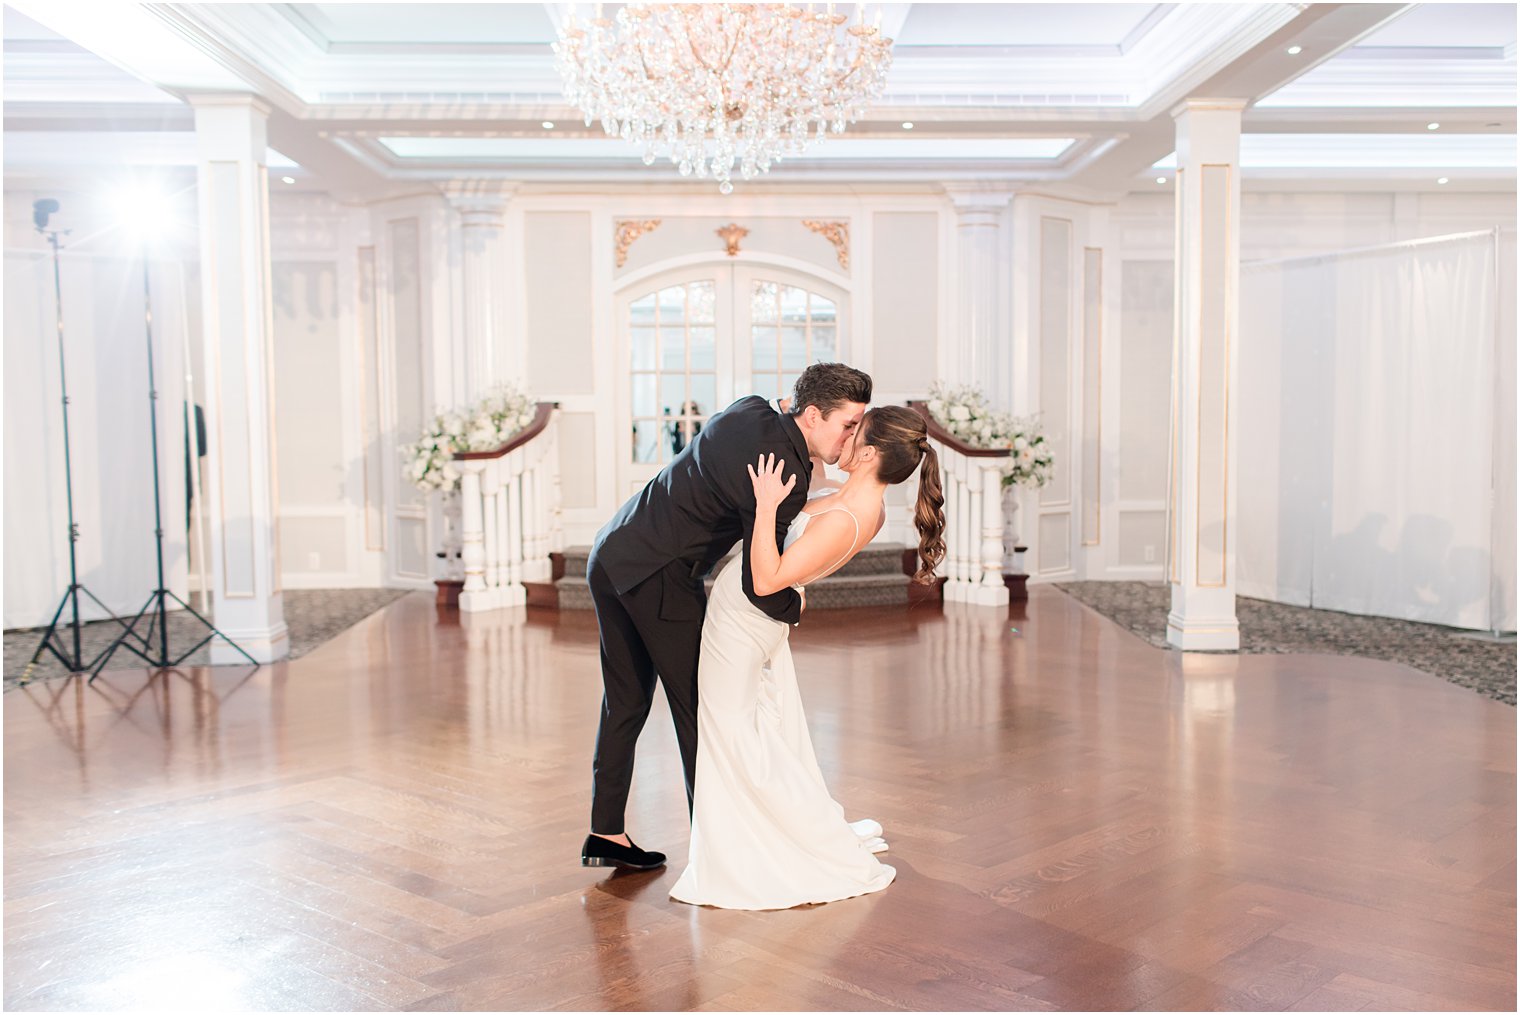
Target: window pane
646,440
641,311
824,350
704,354
672,347
787,380
644,395
765,385
673,304
793,348
642,341
763,302
765,348
672,393
702,308
794,305
704,394
821,310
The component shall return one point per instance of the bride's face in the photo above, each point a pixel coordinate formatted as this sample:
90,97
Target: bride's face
850,458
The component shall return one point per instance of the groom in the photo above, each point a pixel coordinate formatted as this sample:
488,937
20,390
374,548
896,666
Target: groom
647,565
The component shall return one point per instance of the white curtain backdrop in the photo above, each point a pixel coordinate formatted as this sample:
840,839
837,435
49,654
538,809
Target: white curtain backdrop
106,357
1376,467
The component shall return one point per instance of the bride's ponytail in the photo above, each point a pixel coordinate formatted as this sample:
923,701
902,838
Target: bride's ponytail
929,516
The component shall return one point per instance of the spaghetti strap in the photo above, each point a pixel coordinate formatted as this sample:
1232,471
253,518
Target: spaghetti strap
851,550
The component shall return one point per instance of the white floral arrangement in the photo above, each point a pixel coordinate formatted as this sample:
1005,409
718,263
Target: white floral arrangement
494,420
963,411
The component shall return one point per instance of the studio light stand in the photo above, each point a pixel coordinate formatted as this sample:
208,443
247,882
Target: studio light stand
52,641
155,610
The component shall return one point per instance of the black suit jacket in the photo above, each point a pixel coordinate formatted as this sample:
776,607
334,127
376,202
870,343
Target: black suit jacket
702,503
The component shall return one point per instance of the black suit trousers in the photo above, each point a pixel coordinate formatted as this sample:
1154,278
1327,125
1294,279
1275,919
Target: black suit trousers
655,628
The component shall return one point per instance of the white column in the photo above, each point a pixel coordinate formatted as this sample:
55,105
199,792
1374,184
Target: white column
982,347
481,357
232,138
1201,500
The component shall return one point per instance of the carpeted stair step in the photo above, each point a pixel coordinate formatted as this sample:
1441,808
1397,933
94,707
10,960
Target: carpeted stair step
874,578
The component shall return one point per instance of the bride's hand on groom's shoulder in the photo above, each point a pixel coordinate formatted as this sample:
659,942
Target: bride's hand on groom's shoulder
765,474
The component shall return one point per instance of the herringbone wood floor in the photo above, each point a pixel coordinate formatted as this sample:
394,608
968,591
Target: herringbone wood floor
1078,820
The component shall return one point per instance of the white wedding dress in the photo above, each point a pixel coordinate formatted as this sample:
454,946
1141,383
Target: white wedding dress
765,833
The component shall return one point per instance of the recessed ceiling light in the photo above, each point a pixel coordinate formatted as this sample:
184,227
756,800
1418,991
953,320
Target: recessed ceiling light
288,179
907,125
1432,126
1295,50
548,125
1160,179
1442,180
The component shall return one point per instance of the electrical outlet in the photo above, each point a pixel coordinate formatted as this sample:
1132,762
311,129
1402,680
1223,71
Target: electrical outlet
1150,554
313,561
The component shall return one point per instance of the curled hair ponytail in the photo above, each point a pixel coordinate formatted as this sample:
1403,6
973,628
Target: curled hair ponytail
901,439
929,517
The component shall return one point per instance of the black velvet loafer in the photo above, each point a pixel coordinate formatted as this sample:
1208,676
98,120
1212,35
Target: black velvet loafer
600,852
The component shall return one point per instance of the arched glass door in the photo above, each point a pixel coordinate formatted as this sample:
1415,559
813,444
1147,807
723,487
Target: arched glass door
691,341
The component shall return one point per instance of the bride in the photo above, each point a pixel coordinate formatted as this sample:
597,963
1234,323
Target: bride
765,832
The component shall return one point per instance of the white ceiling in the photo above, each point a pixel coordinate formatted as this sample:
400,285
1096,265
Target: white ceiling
370,98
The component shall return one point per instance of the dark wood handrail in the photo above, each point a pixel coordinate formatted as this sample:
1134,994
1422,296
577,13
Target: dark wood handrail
523,436
953,442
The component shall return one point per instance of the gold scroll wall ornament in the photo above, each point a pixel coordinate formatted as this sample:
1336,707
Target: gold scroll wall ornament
837,233
731,235
627,232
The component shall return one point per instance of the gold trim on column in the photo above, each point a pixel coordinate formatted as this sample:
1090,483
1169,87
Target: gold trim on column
626,232
1174,504
1224,514
837,233
367,289
217,182
1069,502
1097,539
267,396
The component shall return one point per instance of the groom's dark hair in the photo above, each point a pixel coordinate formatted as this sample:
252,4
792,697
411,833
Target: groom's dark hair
828,386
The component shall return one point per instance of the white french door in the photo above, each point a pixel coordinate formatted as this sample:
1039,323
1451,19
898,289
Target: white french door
692,340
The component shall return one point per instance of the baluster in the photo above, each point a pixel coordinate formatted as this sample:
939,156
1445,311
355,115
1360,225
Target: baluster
474,595
973,528
513,593
535,569
492,493
556,530
995,592
953,524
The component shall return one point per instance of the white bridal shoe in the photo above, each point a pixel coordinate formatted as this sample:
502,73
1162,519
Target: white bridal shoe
866,828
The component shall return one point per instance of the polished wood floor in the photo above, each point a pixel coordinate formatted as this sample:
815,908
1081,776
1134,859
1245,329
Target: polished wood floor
1078,820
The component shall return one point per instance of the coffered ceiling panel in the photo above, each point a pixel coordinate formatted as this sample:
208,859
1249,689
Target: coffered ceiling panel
369,98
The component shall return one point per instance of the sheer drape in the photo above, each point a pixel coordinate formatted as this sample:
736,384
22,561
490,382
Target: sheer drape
108,428
1374,456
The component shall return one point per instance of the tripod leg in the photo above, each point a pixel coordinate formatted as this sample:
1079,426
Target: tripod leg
110,650
46,643
215,633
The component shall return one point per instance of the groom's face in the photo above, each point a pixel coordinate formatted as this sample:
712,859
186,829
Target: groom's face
832,433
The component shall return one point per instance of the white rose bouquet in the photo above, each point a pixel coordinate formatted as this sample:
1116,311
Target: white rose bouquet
429,462
963,411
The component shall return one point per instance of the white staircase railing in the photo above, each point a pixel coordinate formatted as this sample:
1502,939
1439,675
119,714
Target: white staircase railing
510,514
973,482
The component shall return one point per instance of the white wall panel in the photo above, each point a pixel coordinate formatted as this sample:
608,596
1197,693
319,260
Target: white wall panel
905,300
560,295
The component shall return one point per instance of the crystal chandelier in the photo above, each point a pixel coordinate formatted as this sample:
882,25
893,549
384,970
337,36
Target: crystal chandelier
719,85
